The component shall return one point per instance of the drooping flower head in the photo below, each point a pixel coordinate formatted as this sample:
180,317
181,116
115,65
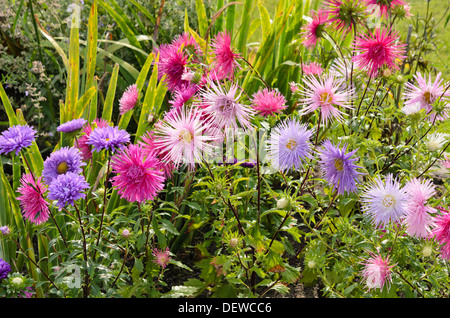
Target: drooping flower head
325,94
385,201
418,219
72,125
377,272
67,188
441,232
61,161
128,99
313,31
226,57
32,201
383,7
138,177
5,269
344,15
338,167
162,257
15,138
108,137
268,102
289,145
378,50
81,143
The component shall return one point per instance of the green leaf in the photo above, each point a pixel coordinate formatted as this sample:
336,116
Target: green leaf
265,20
109,100
201,16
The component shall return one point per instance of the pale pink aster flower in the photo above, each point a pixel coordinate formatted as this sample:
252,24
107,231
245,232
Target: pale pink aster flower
268,102
313,30
312,68
377,272
418,219
325,94
162,257
445,162
380,49
138,177
225,61
441,232
34,206
128,99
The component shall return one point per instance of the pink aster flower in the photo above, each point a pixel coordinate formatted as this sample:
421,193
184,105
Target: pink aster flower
418,219
138,177
442,232
377,272
377,50
325,94
34,206
148,144
162,257
445,162
313,30
312,68
268,102
183,94
172,62
128,99
225,61
384,6
81,142
427,93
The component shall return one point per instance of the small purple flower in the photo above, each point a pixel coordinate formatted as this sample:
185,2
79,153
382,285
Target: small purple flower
64,160
5,230
108,137
5,268
67,188
15,138
338,167
72,125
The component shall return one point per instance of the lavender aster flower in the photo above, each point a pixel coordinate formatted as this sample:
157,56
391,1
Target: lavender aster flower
72,125
62,161
108,137
289,145
338,167
5,268
15,138
67,188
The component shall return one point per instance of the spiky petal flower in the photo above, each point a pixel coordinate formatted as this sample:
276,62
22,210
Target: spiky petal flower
108,137
67,188
268,102
338,167
34,206
441,232
128,99
312,68
383,7
325,94
377,50
418,219
377,272
183,138
72,125
162,257
313,30
61,161
15,138
385,201
183,94
344,15
81,142
289,145
225,61
148,145
138,177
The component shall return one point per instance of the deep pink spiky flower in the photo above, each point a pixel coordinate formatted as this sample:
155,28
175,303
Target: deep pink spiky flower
377,50
162,257
128,99
34,206
138,177
377,272
148,144
172,62
268,102
183,94
226,57
313,30
441,232
383,7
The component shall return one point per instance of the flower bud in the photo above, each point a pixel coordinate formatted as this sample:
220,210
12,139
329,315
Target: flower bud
283,203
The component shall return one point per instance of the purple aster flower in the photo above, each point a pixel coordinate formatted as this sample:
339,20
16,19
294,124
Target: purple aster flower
108,137
384,202
15,138
67,188
5,268
64,160
338,167
289,145
72,125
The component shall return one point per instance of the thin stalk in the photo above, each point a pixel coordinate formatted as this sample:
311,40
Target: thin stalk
86,287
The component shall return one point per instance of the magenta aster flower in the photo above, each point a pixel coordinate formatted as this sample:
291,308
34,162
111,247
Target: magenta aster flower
172,63
344,15
138,177
385,201
378,50
72,125
418,219
34,206
338,167
312,68
427,93
313,30
61,161
67,188
183,95
385,6
108,137
225,61
441,232
326,94
162,257
15,138
268,102
128,99
81,143
377,272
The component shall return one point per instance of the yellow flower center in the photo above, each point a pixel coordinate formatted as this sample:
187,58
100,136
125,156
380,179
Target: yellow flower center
326,98
427,96
339,164
185,136
62,167
388,201
291,144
